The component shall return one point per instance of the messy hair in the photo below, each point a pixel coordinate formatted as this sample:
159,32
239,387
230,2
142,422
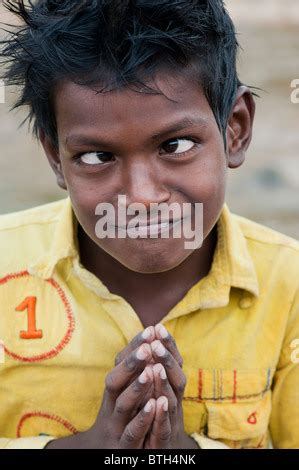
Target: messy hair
117,43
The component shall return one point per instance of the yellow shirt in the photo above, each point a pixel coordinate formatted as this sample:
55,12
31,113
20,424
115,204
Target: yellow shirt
62,328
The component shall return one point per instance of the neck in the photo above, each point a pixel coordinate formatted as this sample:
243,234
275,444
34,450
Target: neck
132,285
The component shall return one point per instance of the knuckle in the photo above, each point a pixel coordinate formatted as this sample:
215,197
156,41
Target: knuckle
141,421
119,407
173,406
165,436
118,359
169,363
182,385
130,434
136,387
130,364
110,383
136,341
175,348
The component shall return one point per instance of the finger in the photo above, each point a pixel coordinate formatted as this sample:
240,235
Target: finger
169,342
151,391
149,394
128,402
121,376
161,429
163,388
175,374
136,430
145,336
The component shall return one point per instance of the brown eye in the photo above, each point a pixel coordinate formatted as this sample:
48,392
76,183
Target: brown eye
178,146
95,158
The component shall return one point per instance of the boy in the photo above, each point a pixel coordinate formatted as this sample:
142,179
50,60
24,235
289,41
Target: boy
137,342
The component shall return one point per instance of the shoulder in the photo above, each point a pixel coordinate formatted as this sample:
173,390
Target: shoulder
42,214
264,235
271,250
26,234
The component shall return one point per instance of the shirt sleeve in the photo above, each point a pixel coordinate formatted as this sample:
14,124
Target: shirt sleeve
204,442
38,442
284,421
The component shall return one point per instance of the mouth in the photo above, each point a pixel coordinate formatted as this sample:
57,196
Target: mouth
151,223
149,228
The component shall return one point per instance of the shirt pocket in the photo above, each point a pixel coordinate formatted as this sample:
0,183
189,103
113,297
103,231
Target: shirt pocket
233,406
241,424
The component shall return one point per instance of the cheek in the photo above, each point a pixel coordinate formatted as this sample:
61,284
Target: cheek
84,203
206,184
214,199
205,181
86,193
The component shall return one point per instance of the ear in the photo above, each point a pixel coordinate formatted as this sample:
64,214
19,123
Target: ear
54,158
239,129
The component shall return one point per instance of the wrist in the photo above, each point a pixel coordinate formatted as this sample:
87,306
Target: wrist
82,440
189,442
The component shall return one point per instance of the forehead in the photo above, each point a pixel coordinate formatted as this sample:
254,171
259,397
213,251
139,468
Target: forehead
79,106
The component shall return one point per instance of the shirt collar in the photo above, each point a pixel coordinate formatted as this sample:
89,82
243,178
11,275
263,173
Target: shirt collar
232,264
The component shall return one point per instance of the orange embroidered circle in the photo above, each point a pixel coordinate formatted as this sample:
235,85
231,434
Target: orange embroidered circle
39,414
70,317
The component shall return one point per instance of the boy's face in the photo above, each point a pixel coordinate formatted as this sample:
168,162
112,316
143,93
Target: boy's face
114,134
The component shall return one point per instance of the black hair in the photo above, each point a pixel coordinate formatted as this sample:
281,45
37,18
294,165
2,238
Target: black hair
117,43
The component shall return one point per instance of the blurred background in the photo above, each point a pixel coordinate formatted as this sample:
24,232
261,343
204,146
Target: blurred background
266,187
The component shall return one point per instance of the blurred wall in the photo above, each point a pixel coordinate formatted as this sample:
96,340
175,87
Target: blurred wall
266,187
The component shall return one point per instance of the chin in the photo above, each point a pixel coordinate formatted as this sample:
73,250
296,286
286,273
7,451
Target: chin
153,264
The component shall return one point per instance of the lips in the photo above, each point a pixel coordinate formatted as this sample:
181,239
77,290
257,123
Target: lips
152,223
149,229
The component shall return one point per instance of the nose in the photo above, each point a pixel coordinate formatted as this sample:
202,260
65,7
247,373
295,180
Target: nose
145,184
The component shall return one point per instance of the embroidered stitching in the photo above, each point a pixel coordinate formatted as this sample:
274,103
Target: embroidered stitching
40,414
29,304
252,418
70,316
234,397
200,382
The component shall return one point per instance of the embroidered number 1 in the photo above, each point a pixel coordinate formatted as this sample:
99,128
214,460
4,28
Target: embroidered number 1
32,333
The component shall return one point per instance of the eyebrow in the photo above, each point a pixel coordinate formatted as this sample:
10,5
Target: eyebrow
185,123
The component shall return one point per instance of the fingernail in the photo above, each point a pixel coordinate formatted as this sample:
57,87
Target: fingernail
143,378
149,372
162,331
164,402
147,333
148,407
163,373
157,368
158,347
142,352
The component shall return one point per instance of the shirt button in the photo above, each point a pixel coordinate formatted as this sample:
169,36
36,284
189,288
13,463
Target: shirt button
245,302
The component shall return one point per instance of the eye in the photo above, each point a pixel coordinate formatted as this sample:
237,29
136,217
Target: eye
179,145
176,146
95,158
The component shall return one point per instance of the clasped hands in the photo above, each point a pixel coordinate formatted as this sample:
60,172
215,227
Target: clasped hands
142,401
